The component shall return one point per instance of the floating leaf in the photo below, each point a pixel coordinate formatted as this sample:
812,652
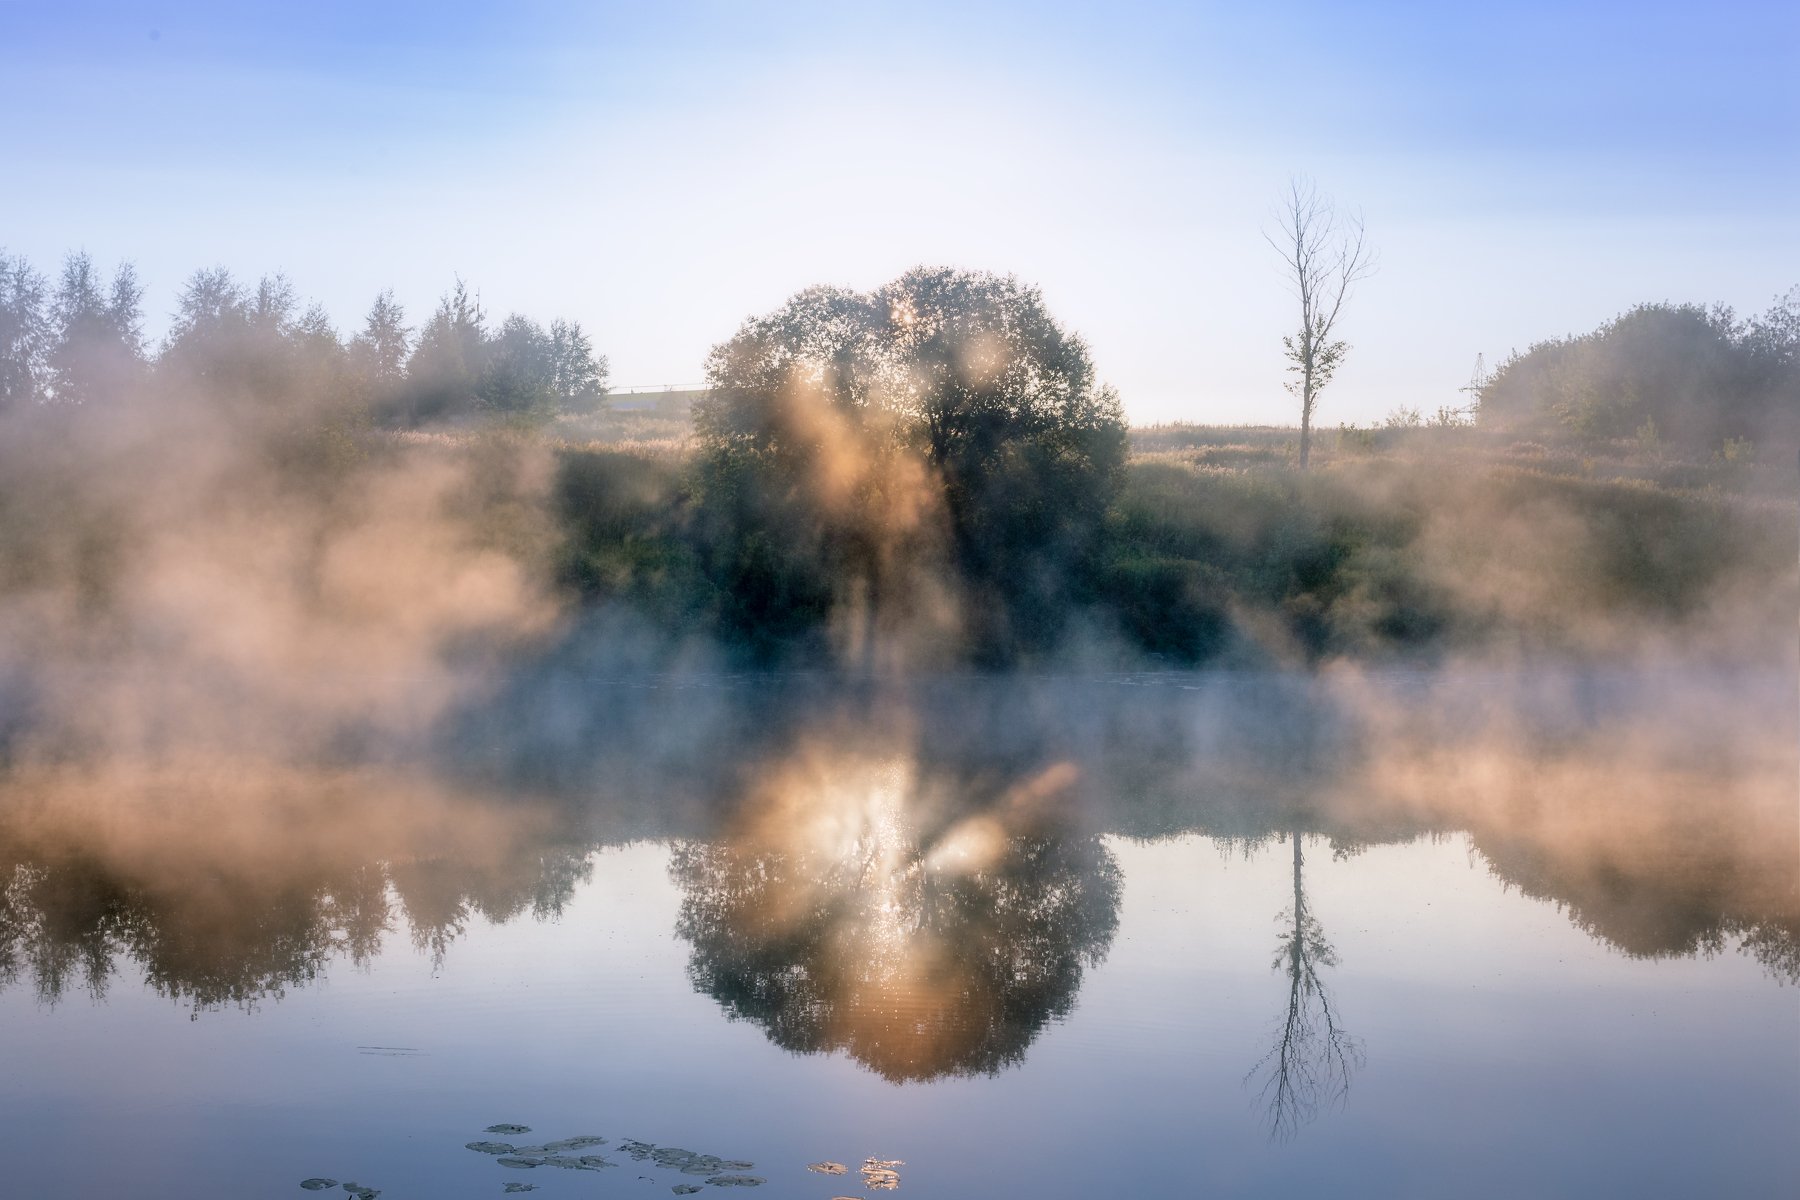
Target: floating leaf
879,1174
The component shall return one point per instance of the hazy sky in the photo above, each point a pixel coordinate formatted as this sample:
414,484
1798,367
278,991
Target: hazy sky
660,171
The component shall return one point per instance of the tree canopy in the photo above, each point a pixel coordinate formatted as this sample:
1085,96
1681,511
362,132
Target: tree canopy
865,451
81,342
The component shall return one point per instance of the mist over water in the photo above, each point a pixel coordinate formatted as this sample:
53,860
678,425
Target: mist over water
292,708
924,880
1653,808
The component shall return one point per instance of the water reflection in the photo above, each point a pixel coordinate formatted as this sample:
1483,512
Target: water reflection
916,876
227,887
925,929
1314,1056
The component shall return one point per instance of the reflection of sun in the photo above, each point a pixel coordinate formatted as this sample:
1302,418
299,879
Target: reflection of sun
852,826
854,823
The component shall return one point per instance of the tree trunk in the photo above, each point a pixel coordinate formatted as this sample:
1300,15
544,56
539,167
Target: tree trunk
1306,411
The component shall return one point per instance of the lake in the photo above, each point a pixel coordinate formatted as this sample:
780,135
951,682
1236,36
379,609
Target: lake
1470,932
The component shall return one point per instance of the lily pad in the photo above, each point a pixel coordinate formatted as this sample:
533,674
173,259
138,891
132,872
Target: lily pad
492,1147
318,1183
574,1143
510,1188
737,1181
361,1192
828,1168
686,1189
586,1163
512,1129
879,1174
517,1163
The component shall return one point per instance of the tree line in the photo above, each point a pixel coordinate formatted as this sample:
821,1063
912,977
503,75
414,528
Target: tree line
81,341
1689,376
923,473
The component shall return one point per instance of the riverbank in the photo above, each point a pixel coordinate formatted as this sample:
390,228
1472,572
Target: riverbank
1399,544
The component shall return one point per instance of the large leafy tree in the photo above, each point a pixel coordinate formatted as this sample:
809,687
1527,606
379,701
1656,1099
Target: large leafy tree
947,420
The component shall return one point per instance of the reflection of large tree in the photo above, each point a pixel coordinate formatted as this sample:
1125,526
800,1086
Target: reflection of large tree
227,886
920,951
1314,1056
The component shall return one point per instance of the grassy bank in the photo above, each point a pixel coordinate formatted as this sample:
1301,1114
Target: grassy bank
1397,544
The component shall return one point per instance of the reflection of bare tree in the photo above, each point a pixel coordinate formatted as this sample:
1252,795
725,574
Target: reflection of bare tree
1314,1055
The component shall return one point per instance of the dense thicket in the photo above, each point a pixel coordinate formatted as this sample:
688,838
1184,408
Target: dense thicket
81,342
1683,374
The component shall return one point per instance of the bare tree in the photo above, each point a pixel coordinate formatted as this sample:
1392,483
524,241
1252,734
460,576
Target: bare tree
1325,253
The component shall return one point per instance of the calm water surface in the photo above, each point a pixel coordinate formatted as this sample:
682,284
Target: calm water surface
1473,934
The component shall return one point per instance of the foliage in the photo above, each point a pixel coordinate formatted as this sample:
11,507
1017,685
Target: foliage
626,523
848,439
24,334
459,369
1697,376
97,352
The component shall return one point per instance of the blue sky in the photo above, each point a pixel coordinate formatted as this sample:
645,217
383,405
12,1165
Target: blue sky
661,171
